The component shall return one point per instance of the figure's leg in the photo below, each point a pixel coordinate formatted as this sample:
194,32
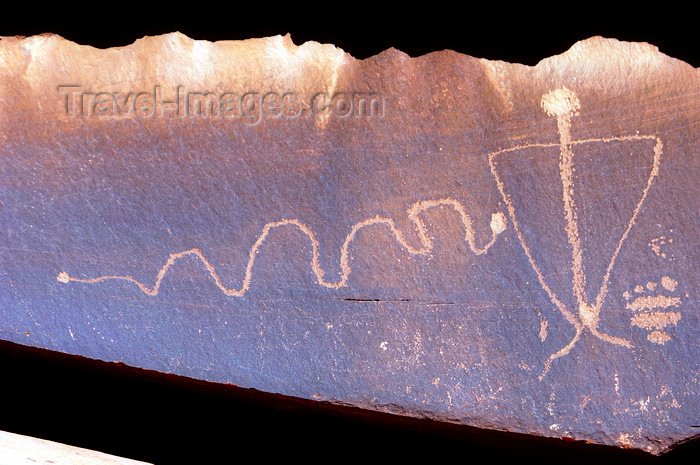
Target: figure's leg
563,351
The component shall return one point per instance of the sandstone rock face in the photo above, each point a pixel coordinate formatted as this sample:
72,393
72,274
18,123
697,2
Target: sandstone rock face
493,244
21,450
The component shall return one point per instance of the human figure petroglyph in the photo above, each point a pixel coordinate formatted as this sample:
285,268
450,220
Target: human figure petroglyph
563,104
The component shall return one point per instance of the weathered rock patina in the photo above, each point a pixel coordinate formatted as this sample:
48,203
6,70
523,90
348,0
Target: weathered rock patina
493,244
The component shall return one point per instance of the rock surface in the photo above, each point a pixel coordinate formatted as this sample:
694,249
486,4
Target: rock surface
503,246
16,449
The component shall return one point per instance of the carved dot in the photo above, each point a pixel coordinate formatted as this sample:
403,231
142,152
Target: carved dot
669,283
658,337
498,223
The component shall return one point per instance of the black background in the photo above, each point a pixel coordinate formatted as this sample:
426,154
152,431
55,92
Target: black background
521,33
165,419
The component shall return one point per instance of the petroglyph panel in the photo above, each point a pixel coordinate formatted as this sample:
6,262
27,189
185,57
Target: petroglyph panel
504,246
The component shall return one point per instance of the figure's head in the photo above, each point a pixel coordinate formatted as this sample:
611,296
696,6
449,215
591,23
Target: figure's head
560,102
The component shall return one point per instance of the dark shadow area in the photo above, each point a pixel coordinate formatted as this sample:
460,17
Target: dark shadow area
521,33
167,419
